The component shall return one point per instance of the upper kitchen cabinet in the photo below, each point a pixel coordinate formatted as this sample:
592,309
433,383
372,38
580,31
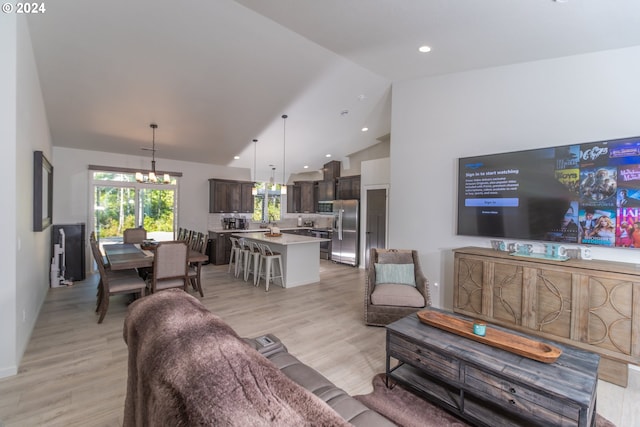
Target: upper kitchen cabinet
326,190
348,187
331,170
293,198
246,197
230,196
301,198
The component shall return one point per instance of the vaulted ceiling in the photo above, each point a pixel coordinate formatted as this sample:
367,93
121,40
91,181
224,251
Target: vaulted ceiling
214,75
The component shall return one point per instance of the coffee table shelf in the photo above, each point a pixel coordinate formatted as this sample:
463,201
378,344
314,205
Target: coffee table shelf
489,386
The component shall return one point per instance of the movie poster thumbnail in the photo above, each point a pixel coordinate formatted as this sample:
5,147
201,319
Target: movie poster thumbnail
570,178
626,220
628,193
594,154
598,186
569,230
567,157
624,152
597,227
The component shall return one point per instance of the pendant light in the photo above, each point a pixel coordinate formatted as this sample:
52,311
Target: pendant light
254,190
283,188
152,176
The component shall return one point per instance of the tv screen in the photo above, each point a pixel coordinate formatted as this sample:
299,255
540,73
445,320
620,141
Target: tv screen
584,194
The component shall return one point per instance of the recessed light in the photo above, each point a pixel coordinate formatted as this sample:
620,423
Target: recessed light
327,155
306,166
236,157
364,129
424,49
362,97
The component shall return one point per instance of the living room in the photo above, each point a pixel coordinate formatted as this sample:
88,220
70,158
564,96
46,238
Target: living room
435,120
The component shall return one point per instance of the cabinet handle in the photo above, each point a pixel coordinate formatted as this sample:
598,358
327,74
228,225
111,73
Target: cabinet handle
513,402
512,390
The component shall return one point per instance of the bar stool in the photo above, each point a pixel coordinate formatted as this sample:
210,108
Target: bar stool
236,256
267,258
251,261
243,259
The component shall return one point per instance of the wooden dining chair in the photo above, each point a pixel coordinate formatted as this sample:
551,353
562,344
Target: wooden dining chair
195,268
170,266
114,282
134,235
112,274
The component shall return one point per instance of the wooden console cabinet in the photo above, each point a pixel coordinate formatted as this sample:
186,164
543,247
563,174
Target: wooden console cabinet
492,387
591,304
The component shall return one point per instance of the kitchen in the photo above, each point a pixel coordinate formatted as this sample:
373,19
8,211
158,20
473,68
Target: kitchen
310,208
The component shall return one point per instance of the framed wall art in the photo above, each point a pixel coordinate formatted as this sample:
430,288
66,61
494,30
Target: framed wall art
42,191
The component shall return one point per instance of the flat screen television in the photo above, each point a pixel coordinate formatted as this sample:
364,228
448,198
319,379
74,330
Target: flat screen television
584,194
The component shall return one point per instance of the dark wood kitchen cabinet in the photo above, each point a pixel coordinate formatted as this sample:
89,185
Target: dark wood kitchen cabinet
326,190
301,197
348,187
230,196
293,198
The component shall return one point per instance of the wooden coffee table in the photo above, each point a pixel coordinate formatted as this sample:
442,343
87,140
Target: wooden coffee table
489,386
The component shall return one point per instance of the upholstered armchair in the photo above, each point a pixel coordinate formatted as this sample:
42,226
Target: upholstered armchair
395,286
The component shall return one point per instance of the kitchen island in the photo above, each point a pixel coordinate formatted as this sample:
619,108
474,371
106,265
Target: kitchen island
300,255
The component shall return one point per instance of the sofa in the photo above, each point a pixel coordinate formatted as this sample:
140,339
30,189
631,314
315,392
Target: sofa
187,367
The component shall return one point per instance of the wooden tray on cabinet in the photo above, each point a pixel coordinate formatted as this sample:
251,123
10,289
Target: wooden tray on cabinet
522,346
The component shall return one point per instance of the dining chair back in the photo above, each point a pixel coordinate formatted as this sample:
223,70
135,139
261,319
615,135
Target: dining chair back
197,242
134,235
113,282
170,266
195,268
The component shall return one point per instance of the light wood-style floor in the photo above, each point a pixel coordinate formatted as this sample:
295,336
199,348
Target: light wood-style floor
74,371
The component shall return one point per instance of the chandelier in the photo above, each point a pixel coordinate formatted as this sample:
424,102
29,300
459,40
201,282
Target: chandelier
152,176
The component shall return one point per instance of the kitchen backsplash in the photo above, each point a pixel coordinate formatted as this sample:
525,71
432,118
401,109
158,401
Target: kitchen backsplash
289,220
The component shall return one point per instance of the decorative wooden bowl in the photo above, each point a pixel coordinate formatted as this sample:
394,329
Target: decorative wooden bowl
526,347
273,234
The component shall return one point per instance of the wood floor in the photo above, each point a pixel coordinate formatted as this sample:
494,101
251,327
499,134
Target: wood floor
74,371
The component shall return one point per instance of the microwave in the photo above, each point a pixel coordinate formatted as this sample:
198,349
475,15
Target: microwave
325,207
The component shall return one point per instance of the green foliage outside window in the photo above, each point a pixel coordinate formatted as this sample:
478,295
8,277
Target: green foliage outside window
274,207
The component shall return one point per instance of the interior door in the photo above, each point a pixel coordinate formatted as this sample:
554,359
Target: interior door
375,235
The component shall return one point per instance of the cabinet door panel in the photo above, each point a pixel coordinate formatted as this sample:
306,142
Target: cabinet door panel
610,308
553,305
468,289
507,293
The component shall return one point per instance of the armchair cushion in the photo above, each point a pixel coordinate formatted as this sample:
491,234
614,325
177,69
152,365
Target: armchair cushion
397,296
395,256
401,274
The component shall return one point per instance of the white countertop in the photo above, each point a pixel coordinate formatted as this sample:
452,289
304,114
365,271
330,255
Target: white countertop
257,230
285,239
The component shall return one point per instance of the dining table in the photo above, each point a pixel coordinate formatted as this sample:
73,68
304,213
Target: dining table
122,256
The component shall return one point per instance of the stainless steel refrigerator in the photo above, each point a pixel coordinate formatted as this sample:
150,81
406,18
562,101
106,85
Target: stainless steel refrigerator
344,244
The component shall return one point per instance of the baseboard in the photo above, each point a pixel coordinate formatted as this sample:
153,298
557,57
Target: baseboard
8,371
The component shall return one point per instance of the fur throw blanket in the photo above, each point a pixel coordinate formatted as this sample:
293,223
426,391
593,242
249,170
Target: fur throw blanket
189,368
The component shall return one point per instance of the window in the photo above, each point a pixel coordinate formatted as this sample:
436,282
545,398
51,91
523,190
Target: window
271,210
119,202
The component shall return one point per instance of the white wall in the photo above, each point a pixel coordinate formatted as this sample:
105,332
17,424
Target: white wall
71,184
24,254
546,103
8,53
